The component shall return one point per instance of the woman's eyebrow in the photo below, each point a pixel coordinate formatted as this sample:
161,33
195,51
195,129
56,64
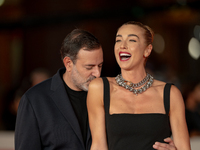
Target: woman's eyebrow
128,35
133,35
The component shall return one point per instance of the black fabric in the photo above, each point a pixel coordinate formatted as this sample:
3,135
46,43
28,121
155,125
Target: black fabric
134,131
106,94
167,97
46,119
78,101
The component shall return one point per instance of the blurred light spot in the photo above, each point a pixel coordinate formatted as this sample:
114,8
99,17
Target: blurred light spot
197,32
158,44
182,2
194,48
1,2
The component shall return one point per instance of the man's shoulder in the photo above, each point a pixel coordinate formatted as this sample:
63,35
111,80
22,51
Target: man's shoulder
43,90
47,85
41,87
38,91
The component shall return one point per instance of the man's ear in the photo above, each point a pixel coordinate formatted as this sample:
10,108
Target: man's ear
68,64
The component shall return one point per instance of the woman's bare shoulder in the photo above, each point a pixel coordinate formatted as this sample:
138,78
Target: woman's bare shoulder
175,93
96,83
158,84
111,80
161,84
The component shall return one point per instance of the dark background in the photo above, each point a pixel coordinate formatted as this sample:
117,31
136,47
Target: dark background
31,33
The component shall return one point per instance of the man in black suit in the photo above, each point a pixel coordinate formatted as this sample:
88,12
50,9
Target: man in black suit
52,115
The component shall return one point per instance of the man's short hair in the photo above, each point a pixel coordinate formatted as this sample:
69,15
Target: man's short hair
76,40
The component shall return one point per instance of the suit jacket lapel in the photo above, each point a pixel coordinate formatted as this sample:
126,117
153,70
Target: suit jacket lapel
62,101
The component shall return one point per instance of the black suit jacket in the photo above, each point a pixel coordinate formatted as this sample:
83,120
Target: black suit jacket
46,119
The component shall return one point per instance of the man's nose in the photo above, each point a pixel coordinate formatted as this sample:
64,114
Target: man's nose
96,72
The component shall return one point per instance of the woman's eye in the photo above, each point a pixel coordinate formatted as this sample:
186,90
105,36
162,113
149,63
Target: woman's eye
118,40
132,40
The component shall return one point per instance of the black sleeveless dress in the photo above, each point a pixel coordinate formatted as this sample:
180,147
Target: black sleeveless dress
136,131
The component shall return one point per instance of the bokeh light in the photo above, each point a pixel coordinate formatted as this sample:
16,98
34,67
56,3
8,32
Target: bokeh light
1,2
194,48
158,44
197,32
182,2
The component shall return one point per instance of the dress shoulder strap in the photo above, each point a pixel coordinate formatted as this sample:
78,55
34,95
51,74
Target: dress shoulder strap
106,94
167,97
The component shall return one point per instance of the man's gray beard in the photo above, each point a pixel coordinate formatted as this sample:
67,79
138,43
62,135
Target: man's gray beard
84,86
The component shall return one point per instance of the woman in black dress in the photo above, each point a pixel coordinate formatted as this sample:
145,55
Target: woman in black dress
133,110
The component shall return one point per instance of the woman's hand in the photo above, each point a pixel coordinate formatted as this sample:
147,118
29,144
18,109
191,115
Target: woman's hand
165,146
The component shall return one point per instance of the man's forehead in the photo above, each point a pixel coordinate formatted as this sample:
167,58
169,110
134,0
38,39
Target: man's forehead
89,50
93,57
86,52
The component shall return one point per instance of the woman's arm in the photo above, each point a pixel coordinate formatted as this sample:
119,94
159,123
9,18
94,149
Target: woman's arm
178,121
96,114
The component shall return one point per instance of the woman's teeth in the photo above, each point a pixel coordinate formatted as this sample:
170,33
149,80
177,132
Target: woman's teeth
124,56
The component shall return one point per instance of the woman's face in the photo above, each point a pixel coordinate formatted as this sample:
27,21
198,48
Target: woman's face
130,47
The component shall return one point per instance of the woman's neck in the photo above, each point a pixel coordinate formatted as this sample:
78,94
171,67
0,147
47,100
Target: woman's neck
134,76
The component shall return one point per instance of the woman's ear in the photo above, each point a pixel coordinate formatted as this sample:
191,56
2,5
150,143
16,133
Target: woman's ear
148,50
68,64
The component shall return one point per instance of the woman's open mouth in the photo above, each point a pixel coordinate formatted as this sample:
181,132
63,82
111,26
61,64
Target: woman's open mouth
124,56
